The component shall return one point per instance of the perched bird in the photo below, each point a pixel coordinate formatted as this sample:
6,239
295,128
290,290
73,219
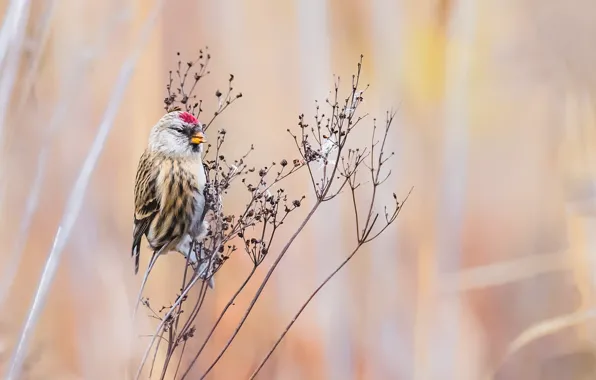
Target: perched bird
169,202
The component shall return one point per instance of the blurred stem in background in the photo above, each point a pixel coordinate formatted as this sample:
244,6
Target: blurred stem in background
72,77
77,195
12,36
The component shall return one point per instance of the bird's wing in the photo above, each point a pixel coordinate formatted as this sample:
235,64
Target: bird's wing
147,202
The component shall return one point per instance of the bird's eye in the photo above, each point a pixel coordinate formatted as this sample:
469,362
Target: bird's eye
178,129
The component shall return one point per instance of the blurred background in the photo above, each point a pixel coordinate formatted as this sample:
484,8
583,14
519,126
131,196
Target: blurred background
489,270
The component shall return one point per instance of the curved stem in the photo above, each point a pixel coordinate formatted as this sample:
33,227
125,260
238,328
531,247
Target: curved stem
221,315
162,323
318,289
144,282
260,290
310,298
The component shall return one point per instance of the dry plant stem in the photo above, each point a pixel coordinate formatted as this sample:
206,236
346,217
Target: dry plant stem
179,360
172,342
256,261
177,336
161,338
260,290
362,236
219,179
221,315
312,296
224,103
198,304
170,312
194,313
341,124
265,210
186,266
174,335
76,197
144,282
297,315
161,326
182,334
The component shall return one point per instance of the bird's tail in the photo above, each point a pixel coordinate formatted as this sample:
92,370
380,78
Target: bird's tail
136,247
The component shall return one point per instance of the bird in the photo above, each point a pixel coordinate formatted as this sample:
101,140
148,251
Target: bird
169,199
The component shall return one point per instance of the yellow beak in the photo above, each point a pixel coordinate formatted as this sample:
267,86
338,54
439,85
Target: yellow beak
198,138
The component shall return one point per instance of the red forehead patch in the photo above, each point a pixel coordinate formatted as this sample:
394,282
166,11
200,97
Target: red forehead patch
189,118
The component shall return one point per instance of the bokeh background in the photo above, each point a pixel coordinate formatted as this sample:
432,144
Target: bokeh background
490,265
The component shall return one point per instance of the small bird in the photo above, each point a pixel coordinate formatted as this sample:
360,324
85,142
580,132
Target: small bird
169,202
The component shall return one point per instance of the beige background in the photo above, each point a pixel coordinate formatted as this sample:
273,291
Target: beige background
495,131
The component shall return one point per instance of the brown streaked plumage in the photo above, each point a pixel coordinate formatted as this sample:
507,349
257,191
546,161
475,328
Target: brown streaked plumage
169,202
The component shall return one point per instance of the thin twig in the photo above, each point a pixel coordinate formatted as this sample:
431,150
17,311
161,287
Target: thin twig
180,360
350,171
162,323
161,338
321,191
260,290
152,262
221,315
311,297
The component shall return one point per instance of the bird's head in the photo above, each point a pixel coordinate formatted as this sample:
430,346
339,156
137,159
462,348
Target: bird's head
177,133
